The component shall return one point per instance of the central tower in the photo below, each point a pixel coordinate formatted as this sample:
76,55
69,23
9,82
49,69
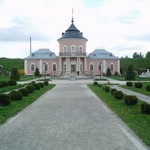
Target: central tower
72,51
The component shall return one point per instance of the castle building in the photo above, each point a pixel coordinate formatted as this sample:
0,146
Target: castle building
72,59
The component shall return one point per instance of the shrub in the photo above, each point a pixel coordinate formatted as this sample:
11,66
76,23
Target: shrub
15,74
130,73
138,84
107,89
41,84
95,83
130,100
145,108
148,88
30,88
24,91
108,72
118,95
129,84
37,86
4,100
99,85
3,84
112,91
12,82
15,95
46,82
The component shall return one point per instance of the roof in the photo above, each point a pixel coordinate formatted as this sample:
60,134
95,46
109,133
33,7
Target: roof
72,32
101,54
42,54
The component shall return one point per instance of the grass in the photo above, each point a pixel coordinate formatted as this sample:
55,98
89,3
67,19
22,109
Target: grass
16,106
122,78
9,88
131,115
141,90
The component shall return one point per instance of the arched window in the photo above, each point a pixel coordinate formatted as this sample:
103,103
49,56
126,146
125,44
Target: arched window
91,67
111,67
32,67
65,48
45,67
73,48
54,67
80,49
99,66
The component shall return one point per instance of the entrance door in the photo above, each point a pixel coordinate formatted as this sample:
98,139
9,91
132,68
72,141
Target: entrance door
73,68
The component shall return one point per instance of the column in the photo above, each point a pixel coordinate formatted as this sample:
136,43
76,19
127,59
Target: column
85,64
118,67
79,64
40,66
60,64
25,66
104,66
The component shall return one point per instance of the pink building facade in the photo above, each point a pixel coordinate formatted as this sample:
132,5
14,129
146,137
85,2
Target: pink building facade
72,59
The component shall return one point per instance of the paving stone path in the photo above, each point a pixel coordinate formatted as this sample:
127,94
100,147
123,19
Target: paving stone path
68,117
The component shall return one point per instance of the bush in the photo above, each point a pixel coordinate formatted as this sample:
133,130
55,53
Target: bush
99,85
30,88
3,84
15,95
118,95
4,100
37,86
129,84
107,89
108,72
112,91
12,82
145,108
15,74
138,84
95,83
130,100
46,82
148,88
24,91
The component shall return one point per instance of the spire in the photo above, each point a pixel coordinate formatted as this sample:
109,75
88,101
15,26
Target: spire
72,17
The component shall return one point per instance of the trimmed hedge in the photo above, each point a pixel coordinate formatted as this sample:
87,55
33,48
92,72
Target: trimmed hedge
129,83
94,83
145,108
15,95
12,82
148,88
113,90
46,83
24,91
30,88
4,100
130,99
138,84
3,84
118,95
107,89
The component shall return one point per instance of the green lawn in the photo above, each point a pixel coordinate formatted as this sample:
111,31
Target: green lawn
16,106
131,115
142,90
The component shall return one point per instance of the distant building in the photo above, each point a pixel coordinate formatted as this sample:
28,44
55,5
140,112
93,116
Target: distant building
73,58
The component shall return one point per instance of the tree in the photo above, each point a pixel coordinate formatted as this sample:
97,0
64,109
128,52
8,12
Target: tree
130,73
108,73
148,54
15,74
136,55
37,73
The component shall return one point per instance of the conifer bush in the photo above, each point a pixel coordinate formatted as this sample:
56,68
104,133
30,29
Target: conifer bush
107,89
46,82
30,88
3,84
118,95
130,100
113,90
95,83
41,84
4,100
12,82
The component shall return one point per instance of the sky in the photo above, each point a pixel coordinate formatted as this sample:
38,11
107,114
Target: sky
119,26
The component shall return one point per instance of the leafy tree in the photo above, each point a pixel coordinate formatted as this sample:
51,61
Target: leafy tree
148,54
130,73
15,74
108,73
37,73
136,55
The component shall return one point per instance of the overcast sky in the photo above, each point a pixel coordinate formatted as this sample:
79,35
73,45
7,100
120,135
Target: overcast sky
119,26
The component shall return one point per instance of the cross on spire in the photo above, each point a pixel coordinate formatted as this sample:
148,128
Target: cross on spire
72,17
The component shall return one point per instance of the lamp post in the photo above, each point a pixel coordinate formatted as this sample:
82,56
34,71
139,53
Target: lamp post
100,70
44,71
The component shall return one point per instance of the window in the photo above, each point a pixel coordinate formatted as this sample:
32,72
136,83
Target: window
73,48
91,67
45,67
111,67
64,67
65,49
80,49
54,67
32,67
99,67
